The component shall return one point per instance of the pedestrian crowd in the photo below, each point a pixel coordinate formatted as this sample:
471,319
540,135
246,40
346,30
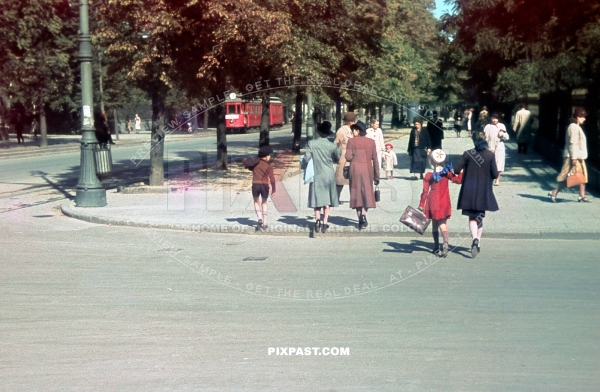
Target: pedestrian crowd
361,155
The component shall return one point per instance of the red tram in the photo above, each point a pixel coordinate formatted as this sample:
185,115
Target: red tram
241,116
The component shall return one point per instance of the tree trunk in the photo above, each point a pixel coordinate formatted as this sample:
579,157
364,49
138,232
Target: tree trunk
565,103
548,114
380,108
221,138
338,114
592,106
205,125
157,151
116,130
395,117
298,120
264,120
43,127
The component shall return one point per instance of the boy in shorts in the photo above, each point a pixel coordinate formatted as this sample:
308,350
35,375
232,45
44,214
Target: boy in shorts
262,174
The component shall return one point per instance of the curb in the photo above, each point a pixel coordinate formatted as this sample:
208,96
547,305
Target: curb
303,231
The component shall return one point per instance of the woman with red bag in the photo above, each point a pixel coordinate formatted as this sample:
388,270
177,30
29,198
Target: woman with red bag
575,154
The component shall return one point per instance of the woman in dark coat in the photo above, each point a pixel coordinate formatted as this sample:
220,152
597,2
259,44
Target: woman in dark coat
419,146
322,191
101,126
476,193
361,152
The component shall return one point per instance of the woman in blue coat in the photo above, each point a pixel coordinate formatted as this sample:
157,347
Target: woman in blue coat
476,193
322,191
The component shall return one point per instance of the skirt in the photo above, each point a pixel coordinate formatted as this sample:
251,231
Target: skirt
418,161
566,169
474,214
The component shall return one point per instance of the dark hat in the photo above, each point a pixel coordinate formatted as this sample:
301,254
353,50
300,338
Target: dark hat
349,117
264,151
362,128
435,112
495,115
324,128
418,120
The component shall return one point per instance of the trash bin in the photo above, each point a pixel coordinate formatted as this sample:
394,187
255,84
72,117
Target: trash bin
103,161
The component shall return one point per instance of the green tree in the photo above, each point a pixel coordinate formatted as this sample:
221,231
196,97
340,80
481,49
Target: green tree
38,60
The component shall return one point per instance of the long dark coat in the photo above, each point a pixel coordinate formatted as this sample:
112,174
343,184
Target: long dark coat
476,192
436,133
361,152
418,152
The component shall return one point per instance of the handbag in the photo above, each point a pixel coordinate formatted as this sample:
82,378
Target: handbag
377,193
576,176
415,219
346,172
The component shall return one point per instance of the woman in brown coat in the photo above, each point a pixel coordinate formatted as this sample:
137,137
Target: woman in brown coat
361,152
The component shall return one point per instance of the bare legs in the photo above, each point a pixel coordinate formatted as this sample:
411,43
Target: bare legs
562,185
326,210
261,210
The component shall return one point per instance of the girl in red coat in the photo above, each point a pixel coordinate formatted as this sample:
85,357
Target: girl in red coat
435,199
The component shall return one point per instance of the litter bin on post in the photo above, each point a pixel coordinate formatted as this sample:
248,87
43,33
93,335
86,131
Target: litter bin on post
103,161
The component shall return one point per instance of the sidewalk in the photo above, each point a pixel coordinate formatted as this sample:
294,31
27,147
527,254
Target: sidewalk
525,210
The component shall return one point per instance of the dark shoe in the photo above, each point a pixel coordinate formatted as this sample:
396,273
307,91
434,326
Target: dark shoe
552,197
445,249
264,227
475,248
365,223
360,222
259,225
317,226
436,251
421,176
324,228
583,200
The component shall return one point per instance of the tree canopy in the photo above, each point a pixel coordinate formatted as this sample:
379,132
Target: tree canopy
516,47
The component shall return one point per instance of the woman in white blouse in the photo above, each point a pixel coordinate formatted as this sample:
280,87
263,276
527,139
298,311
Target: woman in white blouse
376,135
496,135
574,154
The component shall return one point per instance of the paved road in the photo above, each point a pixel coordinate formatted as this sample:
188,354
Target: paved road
94,307
54,176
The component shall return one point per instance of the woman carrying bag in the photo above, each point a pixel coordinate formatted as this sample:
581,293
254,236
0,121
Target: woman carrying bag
574,154
322,192
361,152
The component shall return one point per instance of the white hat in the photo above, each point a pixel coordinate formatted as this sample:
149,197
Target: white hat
438,157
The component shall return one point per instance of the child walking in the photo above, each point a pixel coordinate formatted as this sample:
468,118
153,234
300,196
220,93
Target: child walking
262,174
435,199
390,160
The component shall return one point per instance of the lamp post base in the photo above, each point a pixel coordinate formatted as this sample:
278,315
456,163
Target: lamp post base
90,198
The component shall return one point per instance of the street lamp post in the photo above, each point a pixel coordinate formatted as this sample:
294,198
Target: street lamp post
89,191
310,126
